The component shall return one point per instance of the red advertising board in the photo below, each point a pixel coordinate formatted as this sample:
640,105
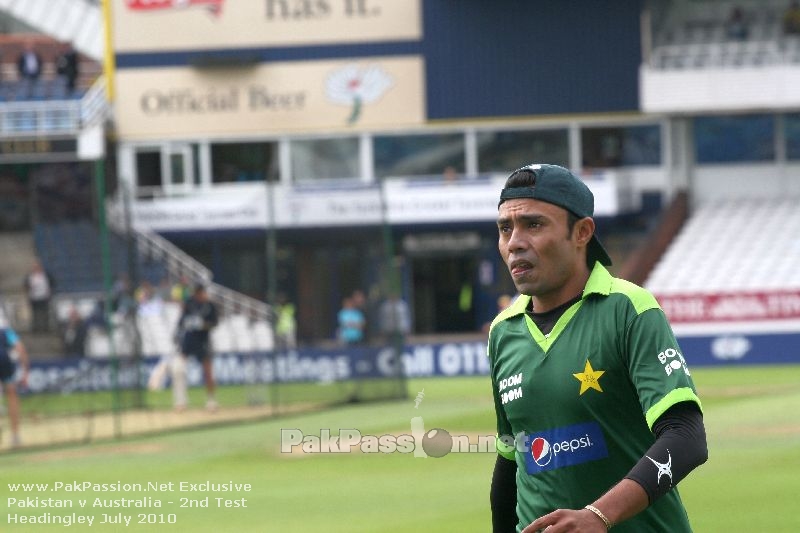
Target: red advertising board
733,306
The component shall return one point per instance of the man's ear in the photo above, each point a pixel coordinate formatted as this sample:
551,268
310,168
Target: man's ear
583,231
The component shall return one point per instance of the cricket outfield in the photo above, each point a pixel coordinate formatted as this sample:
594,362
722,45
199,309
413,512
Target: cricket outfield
237,477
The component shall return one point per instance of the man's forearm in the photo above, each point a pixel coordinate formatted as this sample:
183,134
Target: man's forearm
625,500
503,496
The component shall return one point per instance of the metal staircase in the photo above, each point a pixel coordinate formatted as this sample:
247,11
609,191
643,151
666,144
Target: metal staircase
179,263
76,21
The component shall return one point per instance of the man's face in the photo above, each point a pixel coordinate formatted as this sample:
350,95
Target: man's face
542,256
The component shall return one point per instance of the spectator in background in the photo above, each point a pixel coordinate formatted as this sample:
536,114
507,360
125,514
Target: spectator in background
97,318
29,66
285,324
122,301
503,301
736,26
67,68
360,303
791,19
164,289
180,291
450,174
39,287
148,300
11,346
351,323
395,319
74,334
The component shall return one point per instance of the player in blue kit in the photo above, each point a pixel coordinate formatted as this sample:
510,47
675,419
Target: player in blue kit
11,348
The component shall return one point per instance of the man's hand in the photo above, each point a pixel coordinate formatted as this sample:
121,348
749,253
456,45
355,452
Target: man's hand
564,520
624,500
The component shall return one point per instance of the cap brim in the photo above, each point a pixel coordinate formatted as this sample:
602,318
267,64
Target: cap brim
597,252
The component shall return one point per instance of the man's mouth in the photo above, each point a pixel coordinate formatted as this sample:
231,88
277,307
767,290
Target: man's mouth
517,268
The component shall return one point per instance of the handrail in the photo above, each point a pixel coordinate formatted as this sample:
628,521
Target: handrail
94,105
179,264
55,117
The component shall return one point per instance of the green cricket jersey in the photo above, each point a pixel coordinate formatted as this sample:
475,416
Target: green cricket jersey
580,402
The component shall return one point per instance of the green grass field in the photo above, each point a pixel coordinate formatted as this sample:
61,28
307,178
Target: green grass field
750,482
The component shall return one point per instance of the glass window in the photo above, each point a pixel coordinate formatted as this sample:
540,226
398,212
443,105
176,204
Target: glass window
734,139
178,165
148,168
419,155
621,146
504,151
322,159
793,136
237,162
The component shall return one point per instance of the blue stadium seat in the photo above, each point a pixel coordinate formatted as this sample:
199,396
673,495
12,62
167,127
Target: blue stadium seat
72,253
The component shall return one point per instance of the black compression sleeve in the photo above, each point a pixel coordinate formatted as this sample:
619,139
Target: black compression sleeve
503,496
680,447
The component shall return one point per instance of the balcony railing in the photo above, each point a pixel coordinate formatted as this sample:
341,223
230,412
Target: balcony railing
43,118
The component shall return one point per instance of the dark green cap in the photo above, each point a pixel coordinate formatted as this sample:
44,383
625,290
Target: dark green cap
558,186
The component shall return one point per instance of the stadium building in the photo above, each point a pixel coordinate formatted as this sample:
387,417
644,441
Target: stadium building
312,148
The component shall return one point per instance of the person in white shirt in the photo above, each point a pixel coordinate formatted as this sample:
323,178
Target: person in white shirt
39,287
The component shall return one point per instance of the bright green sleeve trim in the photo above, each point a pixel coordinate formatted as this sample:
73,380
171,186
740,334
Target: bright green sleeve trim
505,450
601,282
641,299
684,394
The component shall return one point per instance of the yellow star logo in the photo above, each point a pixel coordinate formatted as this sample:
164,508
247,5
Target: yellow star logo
589,378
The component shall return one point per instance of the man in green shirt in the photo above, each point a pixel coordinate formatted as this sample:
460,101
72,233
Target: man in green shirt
597,415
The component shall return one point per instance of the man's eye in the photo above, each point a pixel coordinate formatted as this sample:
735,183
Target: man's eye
505,228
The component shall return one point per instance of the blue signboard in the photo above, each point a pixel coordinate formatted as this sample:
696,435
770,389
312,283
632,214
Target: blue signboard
418,360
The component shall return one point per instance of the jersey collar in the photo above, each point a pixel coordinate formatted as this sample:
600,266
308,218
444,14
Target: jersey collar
599,282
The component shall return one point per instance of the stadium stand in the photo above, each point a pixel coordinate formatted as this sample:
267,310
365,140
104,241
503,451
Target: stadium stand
72,252
694,35
733,245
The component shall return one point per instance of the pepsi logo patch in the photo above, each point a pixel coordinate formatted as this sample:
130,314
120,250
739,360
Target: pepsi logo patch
564,446
540,451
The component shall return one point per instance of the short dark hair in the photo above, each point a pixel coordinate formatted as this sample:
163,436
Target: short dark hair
521,178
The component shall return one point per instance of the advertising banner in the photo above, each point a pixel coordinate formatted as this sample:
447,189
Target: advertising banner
163,25
244,206
276,98
424,360
731,306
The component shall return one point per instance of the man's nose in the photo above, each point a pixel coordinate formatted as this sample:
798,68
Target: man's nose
516,240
